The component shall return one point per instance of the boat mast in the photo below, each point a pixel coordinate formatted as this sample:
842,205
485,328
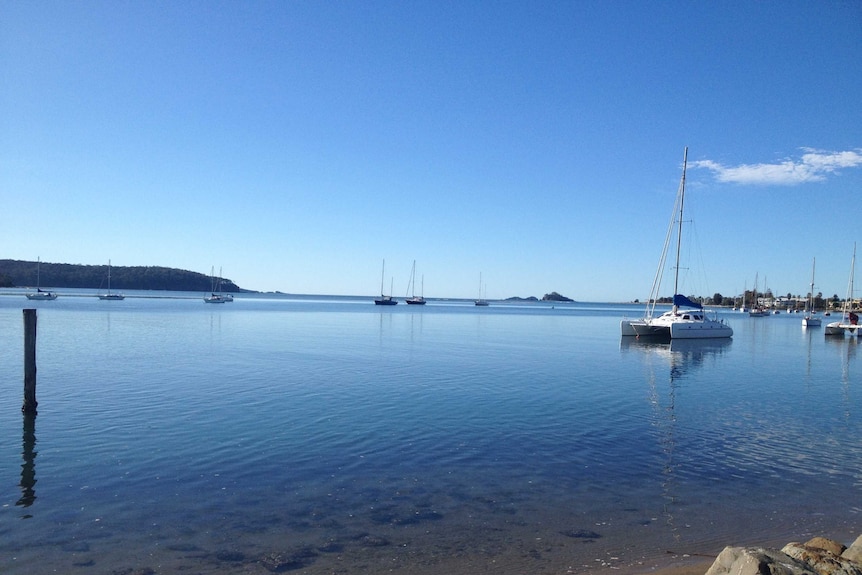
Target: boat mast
412,281
679,229
848,303
811,294
382,273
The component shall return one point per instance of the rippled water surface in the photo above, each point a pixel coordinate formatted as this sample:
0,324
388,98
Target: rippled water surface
327,435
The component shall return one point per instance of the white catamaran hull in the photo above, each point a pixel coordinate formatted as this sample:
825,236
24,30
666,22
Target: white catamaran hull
676,329
627,327
838,328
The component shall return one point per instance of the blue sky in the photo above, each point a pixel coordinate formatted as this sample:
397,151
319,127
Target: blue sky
298,144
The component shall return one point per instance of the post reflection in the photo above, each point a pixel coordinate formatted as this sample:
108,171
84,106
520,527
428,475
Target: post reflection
28,468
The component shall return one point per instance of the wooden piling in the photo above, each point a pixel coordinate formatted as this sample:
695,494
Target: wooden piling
30,402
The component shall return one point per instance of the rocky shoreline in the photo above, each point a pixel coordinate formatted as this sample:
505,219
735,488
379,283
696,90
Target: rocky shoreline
817,556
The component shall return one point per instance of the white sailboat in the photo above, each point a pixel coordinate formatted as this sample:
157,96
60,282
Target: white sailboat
40,294
756,310
215,295
481,302
849,322
110,296
808,320
686,319
413,299
385,299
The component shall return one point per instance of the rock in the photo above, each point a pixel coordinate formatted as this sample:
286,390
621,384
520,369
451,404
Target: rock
817,556
279,562
854,552
757,561
826,544
822,561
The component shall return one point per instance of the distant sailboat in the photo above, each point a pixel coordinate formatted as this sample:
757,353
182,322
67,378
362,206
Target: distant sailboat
414,299
215,290
111,296
756,310
40,294
808,320
849,322
482,302
385,299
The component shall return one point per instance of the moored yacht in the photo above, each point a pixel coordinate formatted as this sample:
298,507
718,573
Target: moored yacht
686,319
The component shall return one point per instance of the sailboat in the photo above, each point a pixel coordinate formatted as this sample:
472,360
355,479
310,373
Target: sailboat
849,322
481,302
215,290
756,310
808,320
679,322
40,294
111,296
414,299
385,299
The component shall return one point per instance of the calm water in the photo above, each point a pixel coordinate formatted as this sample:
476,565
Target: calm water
327,435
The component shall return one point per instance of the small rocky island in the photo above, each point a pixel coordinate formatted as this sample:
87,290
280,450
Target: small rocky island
553,296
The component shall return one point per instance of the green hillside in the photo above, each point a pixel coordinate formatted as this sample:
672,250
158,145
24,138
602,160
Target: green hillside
17,273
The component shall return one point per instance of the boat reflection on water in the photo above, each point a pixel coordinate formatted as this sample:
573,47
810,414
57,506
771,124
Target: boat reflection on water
680,357
847,349
682,354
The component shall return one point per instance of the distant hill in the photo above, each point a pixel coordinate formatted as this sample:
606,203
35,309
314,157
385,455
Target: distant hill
17,273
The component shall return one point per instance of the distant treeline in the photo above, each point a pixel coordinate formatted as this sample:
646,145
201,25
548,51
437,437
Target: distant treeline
16,273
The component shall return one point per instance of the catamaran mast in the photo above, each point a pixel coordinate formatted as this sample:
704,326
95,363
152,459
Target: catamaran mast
679,229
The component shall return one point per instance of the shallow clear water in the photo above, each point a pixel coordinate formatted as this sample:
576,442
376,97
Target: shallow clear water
328,435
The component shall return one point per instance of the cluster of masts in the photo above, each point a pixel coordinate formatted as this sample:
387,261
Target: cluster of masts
411,298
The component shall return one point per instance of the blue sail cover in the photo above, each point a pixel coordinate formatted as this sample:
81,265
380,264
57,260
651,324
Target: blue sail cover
680,300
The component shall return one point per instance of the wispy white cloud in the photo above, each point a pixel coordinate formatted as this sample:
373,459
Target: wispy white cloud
813,166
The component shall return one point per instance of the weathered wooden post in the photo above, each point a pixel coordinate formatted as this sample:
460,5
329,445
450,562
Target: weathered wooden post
30,402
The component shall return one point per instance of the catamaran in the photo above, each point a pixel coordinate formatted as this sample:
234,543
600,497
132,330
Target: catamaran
686,319
849,322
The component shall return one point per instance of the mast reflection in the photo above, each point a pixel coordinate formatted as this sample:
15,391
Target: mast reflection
680,357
